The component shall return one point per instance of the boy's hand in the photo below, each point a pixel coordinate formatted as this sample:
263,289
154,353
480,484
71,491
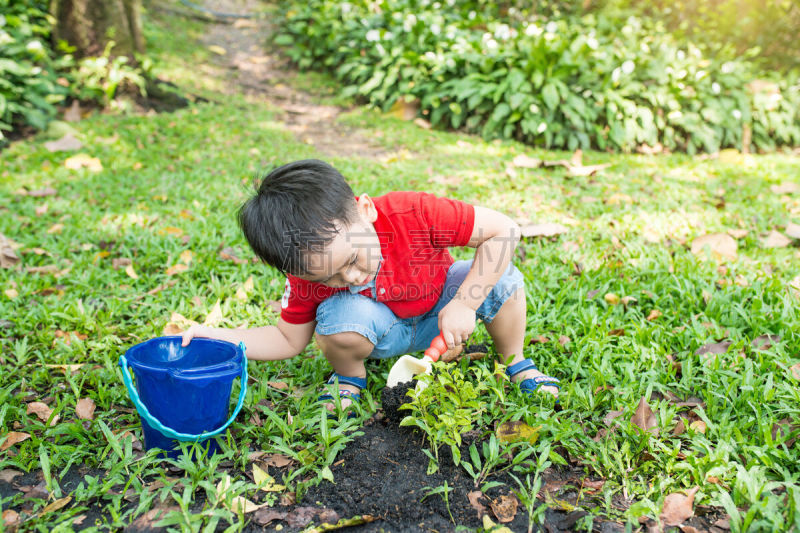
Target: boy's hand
456,322
196,331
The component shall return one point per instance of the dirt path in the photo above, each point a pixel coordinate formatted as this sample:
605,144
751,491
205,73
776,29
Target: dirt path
249,66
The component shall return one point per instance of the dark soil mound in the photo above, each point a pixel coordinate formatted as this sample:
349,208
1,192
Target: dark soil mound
394,397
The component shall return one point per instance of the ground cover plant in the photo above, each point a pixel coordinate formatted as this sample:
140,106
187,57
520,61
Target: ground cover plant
662,291
605,80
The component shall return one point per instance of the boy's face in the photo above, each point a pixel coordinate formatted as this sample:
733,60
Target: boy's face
353,257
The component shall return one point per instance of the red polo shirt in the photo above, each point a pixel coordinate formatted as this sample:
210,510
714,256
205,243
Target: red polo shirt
415,229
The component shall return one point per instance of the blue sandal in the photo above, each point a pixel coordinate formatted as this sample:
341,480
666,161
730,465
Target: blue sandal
531,385
355,397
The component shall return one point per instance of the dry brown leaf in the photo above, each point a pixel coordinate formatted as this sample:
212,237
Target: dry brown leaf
214,317
714,348
67,143
792,230
186,256
563,340
776,239
644,418
177,269
264,516
766,341
58,227
722,246
9,474
41,210
593,485
66,368
795,368
699,426
610,416
475,498
42,411
547,229
11,519
85,409
8,257
611,298
785,188
280,385
301,516
41,193
11,293
277,460
525,161
504,507
655,313
678,507
422,123
73,112
738,233
131,272
56,505
618,332
79,161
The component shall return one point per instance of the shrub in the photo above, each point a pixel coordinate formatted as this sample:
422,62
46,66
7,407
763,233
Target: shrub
29,81
590,81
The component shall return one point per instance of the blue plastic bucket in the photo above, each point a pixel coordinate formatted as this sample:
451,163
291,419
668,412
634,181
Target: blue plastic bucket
182,393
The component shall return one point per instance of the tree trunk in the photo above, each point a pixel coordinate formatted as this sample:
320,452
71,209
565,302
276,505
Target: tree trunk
89,25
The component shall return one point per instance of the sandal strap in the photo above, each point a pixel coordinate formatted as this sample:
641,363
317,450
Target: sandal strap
347,380
522,366
539,381
356,397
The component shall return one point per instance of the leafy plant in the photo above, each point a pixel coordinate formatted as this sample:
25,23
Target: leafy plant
443,490
600,80
448,405
100,78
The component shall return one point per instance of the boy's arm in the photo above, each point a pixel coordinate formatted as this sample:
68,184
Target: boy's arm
495,236
268,343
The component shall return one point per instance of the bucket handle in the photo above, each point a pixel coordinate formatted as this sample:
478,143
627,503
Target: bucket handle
169,432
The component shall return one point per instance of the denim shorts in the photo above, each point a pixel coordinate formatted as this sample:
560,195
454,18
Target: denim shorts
394,336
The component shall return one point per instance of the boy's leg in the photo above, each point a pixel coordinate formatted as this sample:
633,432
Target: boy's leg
352,327
346,352
507,330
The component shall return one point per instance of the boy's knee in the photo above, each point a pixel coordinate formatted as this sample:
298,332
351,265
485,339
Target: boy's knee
346,340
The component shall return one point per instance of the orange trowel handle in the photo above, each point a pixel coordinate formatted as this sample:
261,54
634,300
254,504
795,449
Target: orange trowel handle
438,347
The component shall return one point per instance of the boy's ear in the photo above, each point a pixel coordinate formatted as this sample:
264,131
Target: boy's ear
366,208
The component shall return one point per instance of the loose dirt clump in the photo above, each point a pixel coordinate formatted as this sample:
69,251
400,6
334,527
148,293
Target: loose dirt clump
393,398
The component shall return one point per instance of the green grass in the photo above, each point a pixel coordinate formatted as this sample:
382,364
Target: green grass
190,169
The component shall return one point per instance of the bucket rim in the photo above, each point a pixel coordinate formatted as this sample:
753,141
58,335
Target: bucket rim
222,368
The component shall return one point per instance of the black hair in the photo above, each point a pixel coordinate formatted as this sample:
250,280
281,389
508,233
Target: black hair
294,211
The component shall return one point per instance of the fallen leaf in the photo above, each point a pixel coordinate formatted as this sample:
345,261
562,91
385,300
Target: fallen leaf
776,239
67,143
722,246
41,210
11,293
277,460
628,300
237,503
344,522
404,109
488,525
301,516
475,498
655,313
738,233
280,385
131,272
117,262
766,341
563,340
217,49
42,411
504,508
525,161
9,474
547,229
610,416
792,230
785,188
41,193
215,316
265,516
186,256
8,257
10,519
611,298
66,368
265,482
644,418
12,438
58,227
541,339
714,348
794,286
56,505
171,230
591,294
422,123
85,409
517,430
678,507
699,426
795,371
593,485
176,269
619,332
80,161
73,112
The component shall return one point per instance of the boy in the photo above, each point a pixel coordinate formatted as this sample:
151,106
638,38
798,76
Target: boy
373,277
